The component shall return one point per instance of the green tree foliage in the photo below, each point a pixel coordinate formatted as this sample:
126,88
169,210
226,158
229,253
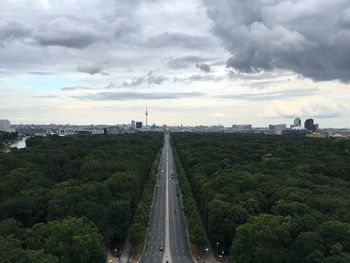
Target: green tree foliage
70,240
263,239
12,245
141,219
196,230
295,189
100,178
6,137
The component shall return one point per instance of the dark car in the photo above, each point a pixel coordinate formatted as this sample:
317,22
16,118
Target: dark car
161,248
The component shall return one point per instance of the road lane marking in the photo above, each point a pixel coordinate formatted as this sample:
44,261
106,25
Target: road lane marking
167,254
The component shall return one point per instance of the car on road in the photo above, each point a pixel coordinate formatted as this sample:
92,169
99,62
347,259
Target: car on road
161,247
157,185
220,258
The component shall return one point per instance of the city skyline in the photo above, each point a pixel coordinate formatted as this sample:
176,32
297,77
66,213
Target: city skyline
191,62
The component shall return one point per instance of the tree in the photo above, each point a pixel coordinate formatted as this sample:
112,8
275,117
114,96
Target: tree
71,240
336,235
263,238
306,246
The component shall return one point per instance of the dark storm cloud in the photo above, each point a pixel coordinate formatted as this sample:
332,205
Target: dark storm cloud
275,95
12,31
121,96
66,32
308,37
203,67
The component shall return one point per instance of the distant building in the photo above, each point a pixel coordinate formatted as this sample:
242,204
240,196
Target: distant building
139,125
309,124
241,127
277,129
296,131
133,124
297,122
315,135
5,125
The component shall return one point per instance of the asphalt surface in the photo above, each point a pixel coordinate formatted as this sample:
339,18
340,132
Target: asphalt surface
168,231
156,230
179,246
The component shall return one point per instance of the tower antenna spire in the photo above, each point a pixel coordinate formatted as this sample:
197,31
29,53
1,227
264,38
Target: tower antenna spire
146,115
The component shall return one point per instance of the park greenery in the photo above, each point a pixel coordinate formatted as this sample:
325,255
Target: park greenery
196,231
65,199
271,198
141,220
6,137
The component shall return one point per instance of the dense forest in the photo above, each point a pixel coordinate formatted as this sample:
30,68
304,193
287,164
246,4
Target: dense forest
64,199
271,198
6,137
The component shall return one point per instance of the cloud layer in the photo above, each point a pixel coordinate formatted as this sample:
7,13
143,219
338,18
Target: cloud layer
230,60
316,108
110,96
310,37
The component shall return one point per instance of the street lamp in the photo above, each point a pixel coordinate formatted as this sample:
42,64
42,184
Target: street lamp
217,247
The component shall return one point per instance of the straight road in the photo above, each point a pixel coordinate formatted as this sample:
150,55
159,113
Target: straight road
167,229
156,231
179,245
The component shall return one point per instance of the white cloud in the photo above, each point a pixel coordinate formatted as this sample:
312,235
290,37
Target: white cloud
315,107
47,45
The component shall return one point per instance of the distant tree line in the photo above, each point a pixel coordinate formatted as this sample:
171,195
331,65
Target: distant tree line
63,199
271,198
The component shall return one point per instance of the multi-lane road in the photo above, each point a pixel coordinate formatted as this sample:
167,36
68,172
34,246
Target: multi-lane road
166,238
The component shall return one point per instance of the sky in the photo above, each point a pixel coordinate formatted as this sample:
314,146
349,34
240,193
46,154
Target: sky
191,62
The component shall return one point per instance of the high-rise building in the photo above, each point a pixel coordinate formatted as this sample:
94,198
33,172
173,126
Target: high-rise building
139,125
5,125
297,122
133,124
309,124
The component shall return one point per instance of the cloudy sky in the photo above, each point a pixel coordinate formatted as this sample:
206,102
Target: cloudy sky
191,61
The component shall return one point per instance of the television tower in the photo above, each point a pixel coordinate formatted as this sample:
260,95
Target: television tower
146,116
